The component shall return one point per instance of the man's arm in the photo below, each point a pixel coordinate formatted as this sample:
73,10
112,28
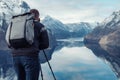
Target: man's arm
43,39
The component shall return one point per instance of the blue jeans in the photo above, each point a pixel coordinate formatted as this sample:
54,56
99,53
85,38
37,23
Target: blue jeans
26,67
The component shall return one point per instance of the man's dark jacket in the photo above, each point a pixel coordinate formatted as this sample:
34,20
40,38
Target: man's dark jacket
41,41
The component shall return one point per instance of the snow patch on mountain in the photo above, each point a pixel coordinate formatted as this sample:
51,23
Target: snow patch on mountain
57,27
107,32
112,21
79,26
53,23
8,8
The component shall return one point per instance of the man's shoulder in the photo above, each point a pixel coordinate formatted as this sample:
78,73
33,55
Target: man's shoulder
39,24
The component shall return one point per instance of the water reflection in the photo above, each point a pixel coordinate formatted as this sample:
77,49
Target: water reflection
77,62
6,65
110,54
71,61
69,43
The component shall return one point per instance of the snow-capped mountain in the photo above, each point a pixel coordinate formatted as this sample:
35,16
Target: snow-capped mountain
79,29
66,30
57,27
48,21
108,32
112,21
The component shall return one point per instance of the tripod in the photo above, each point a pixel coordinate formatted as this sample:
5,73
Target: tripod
49,67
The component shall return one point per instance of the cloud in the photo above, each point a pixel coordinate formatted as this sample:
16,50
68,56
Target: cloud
76,10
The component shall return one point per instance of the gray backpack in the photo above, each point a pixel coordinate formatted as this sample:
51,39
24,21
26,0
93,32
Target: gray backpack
20,33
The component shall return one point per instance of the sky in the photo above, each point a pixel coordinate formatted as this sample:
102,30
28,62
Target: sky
73,11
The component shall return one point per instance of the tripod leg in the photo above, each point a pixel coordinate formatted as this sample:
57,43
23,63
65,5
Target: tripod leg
49,65
41,72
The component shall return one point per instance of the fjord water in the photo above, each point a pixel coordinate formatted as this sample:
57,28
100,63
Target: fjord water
71,60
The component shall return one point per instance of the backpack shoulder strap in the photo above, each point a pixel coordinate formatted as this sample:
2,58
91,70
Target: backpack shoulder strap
28,13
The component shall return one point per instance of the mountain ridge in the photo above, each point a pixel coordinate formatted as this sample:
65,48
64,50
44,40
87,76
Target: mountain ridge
66,30
107,33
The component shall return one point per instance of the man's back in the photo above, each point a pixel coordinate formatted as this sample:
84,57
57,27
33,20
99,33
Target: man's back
26,60
40,42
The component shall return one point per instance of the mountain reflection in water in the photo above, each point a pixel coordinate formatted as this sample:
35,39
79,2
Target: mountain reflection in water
110,54
70,60
73,61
